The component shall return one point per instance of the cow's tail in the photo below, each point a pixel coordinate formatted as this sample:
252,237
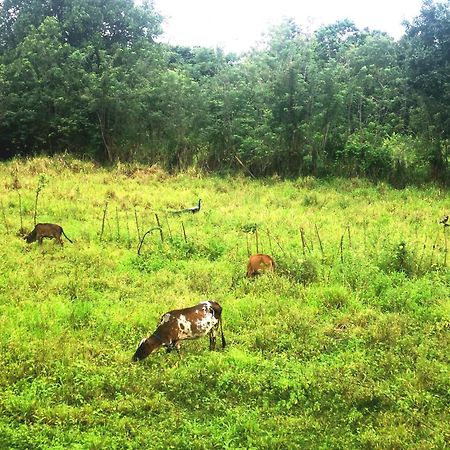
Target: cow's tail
66,235
221,331
249,270
218,313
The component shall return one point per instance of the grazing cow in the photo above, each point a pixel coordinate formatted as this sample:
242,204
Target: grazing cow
258,264
181,324
49,230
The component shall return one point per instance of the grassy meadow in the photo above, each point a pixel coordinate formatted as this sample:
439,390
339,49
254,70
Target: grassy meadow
345,346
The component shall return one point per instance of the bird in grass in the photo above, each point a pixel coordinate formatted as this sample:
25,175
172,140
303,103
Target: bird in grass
444,221
193,210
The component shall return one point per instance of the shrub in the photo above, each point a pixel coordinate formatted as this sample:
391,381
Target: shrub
398,258
305,271
364,154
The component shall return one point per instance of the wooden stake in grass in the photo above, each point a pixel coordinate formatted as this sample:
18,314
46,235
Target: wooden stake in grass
320,241
103,220
20,211
342,248
41,183
160,229
168,226
184,232
304,243
137,224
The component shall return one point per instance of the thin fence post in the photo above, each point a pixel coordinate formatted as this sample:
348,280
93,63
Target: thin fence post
168,226
137,223
304,243
184,232
320,241
103,220
160,228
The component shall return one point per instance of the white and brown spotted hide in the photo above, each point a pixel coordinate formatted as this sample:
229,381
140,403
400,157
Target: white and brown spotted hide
188,323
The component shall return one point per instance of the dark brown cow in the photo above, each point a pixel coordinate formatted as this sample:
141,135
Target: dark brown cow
181,324
48,230
258,264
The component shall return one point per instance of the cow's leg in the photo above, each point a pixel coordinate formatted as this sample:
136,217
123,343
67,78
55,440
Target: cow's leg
40,239
174,345
212,339
170,347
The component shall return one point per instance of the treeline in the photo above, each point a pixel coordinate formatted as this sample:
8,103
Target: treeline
89,77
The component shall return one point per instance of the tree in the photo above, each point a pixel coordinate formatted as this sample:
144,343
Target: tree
73,74
427,43
335,39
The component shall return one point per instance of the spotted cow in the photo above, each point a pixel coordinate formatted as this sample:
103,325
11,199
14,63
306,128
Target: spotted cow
181,324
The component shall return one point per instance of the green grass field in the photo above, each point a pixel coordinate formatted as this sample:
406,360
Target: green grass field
345,346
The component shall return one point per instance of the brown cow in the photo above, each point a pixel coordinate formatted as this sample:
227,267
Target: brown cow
49,230
181,324
258,264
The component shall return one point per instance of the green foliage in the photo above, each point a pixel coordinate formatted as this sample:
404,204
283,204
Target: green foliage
399,259
427,44
89,78
305,271
350,334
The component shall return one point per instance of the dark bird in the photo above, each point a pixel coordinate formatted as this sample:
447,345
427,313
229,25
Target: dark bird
444,221
192,210
195,208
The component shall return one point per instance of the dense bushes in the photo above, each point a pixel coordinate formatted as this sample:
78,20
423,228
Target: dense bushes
340,101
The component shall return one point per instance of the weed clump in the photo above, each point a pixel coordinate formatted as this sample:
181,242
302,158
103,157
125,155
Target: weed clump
305,271
399,258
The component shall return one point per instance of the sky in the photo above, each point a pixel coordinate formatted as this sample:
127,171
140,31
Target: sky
238,25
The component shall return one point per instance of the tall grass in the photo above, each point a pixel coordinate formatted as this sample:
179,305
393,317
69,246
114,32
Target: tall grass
345,346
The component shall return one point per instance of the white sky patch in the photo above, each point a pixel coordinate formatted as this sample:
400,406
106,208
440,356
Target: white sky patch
238,25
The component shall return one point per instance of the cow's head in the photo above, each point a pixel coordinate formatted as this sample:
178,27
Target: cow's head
29,238
145,347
